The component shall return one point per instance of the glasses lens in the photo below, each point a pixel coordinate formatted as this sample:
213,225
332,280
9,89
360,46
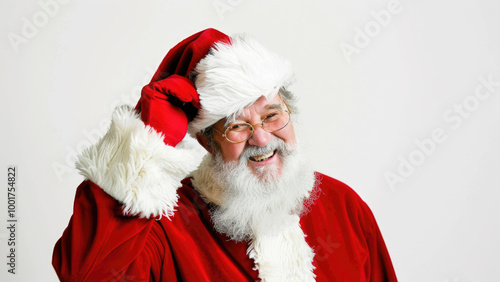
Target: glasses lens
276,121
239,132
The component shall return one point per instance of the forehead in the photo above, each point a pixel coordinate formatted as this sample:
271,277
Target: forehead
263,104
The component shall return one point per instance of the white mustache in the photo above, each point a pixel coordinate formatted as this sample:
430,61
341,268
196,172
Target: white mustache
275,144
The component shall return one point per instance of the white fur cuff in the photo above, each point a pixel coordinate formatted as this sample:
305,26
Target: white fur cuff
133,165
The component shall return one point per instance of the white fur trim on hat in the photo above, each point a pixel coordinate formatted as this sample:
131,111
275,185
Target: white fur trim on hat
133,165
233,76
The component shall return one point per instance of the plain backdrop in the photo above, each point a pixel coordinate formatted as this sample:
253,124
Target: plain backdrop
398,99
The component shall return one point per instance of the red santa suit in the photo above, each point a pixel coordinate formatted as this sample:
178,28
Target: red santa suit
137,218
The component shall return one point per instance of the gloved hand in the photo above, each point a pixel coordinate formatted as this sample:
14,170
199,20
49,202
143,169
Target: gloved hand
168,105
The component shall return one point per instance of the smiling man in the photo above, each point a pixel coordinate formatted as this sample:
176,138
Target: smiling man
253,209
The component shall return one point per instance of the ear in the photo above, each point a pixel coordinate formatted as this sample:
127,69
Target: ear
203,142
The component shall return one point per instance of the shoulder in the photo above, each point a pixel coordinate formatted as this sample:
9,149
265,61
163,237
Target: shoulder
333,188
339,198
191,209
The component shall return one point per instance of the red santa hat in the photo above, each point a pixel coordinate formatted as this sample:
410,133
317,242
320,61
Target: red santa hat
210,76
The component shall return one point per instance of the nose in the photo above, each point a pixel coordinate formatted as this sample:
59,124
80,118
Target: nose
260,137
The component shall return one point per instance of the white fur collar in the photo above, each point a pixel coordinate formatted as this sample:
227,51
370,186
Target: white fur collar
284,256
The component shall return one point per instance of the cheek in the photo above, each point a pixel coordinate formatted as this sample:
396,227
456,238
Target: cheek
288,134
230,151
229,154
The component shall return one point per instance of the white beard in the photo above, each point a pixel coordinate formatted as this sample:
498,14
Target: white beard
247,204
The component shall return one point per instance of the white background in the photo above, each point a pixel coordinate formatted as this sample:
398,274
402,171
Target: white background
361,120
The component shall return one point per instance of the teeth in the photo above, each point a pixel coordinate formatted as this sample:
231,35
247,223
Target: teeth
262,157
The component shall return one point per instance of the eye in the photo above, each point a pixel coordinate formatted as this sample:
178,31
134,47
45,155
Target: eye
272,116
238,127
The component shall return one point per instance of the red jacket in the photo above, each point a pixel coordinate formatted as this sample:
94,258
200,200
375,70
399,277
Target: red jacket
101,244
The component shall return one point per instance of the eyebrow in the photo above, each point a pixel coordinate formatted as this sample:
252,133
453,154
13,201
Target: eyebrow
277,106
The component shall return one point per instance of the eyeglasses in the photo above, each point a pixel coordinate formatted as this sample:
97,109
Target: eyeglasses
241,132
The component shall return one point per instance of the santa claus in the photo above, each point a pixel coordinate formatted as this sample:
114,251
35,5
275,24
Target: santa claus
252,210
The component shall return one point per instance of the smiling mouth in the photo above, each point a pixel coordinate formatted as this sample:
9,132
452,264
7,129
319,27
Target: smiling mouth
262,157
